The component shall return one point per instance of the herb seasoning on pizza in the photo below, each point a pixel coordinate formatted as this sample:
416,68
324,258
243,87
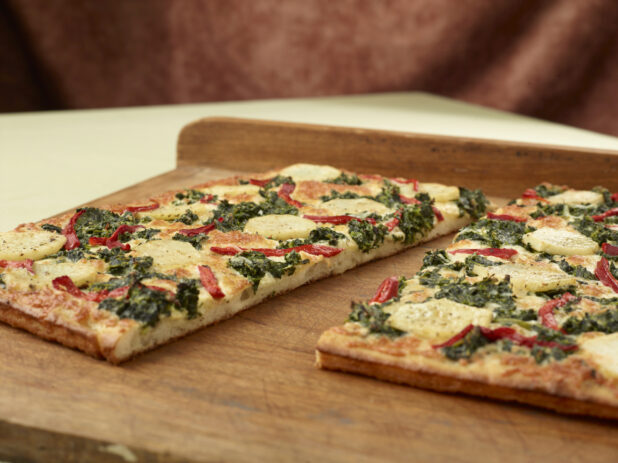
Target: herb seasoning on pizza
522,306
117,281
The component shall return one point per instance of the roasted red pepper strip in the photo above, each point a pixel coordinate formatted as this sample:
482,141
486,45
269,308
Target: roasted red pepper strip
504,332
284,193
69,232
152,207
406,181
159,288
493,252
112,241
437,213
27,264
512,218
387,290
601,217
604,274
391,224
532,194
226,251
455,338
209,282
207,199
260,183
546,312
614,197
64,283
610,249
197,231
313,249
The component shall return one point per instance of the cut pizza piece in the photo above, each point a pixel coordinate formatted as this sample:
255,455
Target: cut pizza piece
522,306
116,281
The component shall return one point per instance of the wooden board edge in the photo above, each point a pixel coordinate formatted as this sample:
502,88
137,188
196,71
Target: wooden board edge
395,374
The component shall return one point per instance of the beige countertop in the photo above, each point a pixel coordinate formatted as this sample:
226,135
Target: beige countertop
52,161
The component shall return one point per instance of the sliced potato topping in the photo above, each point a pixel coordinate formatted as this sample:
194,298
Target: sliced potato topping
168,254
300,172
528,277
576,197
437,319
29,244
562,242
439,192
355,206
280,227
604,350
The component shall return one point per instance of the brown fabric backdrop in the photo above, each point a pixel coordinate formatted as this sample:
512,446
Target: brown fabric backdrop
556,60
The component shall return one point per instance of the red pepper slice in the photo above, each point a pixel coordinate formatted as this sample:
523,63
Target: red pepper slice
334,219
609,213
260,183
313,249
159,288
455,338
27,264
546,312
112,241
152,207
387,290
505,332
209,282
64,283
610,249
406,181
226,251
391,224
493,252
604,274
197,231
614,197
284,193
437,213
512,218
69,232
207,199
532,194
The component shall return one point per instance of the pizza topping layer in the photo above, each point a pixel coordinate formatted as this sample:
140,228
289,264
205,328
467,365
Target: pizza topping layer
175,256
536,279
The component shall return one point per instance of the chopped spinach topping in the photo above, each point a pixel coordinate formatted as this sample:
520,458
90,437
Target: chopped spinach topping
472,202
578,271
329,235
372,317
545,190
337,195
278,181
467,346
416,220
604,322
146,234
235,216
433,278
188,217
435,258
567,209
541,354
73,255
366,235
142,304
51,228
120,264
345,179
495,233
187,294
254,265
100,222
478,294
595,230
188,197
389,196
195,240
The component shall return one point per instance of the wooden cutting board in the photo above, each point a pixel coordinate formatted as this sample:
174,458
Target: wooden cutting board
247,389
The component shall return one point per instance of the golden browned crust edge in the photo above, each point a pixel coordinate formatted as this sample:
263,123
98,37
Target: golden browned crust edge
436,382
87,343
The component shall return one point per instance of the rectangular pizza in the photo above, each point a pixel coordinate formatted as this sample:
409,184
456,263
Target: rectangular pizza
116,281
522,306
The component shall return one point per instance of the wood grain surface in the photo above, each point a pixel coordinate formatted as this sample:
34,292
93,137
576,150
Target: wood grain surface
247,389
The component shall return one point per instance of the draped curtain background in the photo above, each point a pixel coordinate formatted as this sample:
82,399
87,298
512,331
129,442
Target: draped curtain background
556,60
